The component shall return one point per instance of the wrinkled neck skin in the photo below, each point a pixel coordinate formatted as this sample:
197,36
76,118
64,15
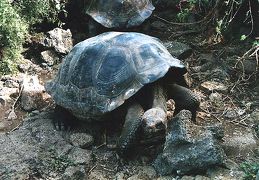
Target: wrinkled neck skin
159,96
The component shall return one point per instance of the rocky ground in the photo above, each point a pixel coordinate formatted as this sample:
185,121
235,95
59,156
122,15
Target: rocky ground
227,86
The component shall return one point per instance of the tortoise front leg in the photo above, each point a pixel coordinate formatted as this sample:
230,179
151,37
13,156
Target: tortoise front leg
130,128
184,99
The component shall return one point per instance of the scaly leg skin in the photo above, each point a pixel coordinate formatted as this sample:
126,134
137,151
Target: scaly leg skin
155,119
62,118
130,129
184,99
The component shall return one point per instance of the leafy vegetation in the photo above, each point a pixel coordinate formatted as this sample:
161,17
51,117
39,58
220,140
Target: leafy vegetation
250,170
13,30
16,20
38,11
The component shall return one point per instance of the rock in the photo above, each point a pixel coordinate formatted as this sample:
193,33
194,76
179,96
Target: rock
81,140
218,74
49,57
97,175
188,148
239,143
213,86
166,178
234,112
80,156
253,117
32,96
199,177
144,172
248,65
187,178
217,130
232,172
60,40
215,97
119,176
11,84
5,98
36,150
178,49
74,173
8,92
25,65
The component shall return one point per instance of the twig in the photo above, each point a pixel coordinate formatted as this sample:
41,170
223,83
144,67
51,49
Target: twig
19,95
92,169
235,122
211,114
177,34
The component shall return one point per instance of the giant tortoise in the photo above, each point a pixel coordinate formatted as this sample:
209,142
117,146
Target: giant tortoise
117,69
118,14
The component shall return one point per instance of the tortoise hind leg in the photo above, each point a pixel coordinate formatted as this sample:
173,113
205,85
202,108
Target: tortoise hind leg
184,99
130,130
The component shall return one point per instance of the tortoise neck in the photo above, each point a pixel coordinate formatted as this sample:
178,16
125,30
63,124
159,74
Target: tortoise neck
159,96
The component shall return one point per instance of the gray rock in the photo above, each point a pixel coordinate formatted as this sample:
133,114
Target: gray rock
49,57
8,92
187,178
248,65
213,86
37,151
97,175
188,148
217,74
11,84
32,93
81,140
231,172
166,178
144,172
239,143
74,173
234,112
178,49
199,177
60,40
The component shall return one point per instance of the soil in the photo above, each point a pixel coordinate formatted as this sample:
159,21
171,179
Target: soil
240,96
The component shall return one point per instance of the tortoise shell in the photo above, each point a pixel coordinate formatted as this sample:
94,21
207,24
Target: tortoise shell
100,73
119,13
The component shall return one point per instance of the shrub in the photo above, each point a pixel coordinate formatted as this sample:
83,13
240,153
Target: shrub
250,169
13,31
38,11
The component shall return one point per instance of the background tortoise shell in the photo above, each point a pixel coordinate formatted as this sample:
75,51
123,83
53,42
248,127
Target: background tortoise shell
119,13
100,73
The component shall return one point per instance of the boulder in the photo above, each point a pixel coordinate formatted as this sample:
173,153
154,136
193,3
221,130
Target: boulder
178,49
49,57
60,40
213,86
37,151
32,96
188,148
